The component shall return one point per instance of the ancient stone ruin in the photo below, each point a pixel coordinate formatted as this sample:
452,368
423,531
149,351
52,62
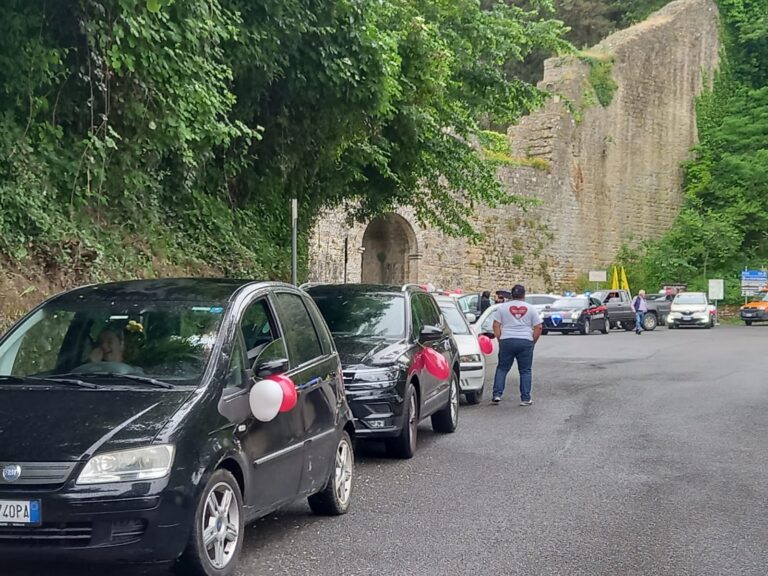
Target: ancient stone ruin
609,146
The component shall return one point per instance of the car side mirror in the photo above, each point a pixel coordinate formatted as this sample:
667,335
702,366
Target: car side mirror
471,318
269,368
430,334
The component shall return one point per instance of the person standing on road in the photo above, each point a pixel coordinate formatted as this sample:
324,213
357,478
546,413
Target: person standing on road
517,326
485,301
640,306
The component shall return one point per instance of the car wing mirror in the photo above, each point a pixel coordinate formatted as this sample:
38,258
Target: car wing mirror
265,369
430,334
471,318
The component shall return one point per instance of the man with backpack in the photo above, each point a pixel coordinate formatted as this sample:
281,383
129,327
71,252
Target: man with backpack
640,306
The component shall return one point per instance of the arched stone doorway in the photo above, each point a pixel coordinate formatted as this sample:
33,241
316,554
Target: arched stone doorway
390,252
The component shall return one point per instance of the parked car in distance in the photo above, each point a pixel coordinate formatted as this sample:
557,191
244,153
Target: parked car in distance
659,306
755,311
581,314
619,306
128,433
380,332
691,309
472,367
541,301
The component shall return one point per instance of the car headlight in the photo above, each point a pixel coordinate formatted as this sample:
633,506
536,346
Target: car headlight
149,463
372,375
575,315
469,358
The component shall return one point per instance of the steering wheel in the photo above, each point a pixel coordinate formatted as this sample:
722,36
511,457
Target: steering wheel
113,367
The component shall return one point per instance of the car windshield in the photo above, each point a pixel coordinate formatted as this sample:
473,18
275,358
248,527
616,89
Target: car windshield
762,298
691,298
169,341
367,315
571,303
455,319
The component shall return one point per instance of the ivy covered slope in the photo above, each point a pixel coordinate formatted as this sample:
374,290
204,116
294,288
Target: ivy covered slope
146,136
723,225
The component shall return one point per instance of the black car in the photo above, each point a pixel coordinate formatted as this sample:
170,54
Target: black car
381,333
581,314
128,433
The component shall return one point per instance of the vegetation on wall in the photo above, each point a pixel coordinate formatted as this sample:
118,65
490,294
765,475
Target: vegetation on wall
723,225
139,133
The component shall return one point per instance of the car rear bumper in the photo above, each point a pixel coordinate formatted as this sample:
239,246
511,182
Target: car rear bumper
141,522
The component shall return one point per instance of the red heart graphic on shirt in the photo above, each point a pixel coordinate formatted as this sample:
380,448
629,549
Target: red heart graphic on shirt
518,311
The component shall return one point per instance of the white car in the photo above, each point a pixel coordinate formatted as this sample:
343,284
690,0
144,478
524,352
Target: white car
541,302
691,309
472,379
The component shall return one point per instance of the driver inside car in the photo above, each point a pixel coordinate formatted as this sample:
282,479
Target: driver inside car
110,347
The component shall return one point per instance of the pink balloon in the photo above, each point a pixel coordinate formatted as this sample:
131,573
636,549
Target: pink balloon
486,346
290,397
436,364
418,362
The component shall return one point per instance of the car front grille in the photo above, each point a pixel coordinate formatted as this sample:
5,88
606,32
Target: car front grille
43,474
69,535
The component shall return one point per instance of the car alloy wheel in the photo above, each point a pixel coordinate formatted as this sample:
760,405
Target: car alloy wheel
446,420
413,422
404,444
650,322
342,481
454,403
587,328
221,525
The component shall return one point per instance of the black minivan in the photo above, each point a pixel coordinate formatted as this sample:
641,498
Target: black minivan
129,428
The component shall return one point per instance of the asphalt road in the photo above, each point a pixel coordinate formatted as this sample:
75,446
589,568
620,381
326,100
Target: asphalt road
642,455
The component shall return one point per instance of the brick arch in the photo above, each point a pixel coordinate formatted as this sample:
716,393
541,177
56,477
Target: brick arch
390,254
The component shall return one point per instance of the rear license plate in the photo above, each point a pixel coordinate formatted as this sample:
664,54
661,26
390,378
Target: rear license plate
687,318
20,512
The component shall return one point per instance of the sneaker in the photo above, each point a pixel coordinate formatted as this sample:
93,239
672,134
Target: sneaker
496,400
526,402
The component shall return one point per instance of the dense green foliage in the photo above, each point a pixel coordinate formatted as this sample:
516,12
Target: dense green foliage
137,133
723,225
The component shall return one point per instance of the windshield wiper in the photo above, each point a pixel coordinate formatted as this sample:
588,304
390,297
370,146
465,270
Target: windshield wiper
47,380
135,377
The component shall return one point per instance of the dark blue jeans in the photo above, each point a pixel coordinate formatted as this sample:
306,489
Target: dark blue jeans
639,318
511,349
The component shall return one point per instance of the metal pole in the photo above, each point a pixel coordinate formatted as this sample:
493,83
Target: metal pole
294,241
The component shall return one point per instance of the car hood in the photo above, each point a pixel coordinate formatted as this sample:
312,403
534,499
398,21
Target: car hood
57,425
562,311
467,343
357,351
690,308
757,305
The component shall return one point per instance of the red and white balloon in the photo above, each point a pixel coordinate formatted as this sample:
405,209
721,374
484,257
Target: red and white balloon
271,396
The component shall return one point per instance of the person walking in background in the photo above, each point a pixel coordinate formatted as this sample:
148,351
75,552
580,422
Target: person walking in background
517,326
485,301
640,306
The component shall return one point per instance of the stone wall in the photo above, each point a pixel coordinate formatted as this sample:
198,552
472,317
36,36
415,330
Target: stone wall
614,172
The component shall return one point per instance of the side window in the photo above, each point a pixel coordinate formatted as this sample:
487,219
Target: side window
320,326
417,316
300,334
40,347
259,331
236,370
432,315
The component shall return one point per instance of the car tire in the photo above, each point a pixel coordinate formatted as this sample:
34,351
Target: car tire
446,420
748,322
544,331
223,493
586,328
628,326
404,444
670,325
334,498
605,329
650,322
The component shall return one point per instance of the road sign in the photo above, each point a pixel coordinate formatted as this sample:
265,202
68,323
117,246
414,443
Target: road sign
598,276
716,289
753,281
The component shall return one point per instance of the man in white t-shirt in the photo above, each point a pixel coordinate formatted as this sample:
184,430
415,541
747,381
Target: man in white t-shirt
517,327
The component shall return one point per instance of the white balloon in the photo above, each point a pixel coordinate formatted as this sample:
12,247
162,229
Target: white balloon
265,399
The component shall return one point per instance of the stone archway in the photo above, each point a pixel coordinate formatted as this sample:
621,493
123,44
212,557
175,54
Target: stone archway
390,252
